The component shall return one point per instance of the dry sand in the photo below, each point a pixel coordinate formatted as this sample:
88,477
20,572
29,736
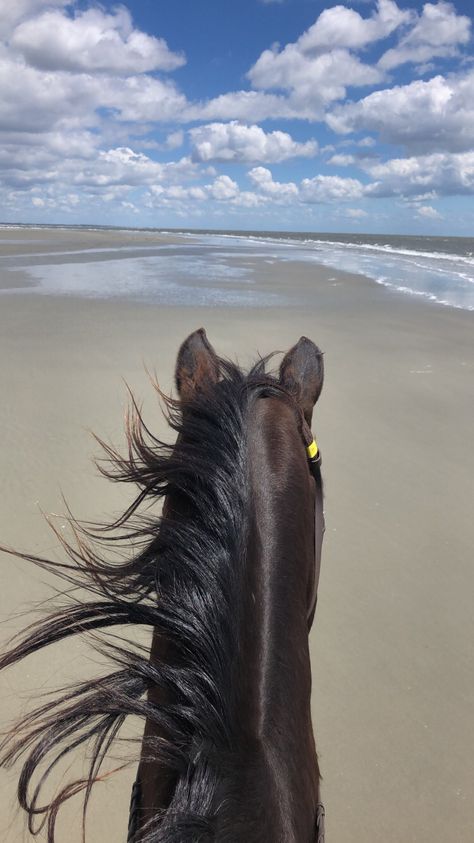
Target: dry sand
392,645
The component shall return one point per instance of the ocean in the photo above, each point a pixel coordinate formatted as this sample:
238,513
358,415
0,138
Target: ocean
212,267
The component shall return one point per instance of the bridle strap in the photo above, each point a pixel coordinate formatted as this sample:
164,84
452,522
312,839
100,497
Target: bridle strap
319,527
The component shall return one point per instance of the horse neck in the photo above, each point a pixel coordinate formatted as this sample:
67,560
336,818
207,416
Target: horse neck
264,783
275,781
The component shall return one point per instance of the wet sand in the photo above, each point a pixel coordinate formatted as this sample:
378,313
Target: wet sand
392,644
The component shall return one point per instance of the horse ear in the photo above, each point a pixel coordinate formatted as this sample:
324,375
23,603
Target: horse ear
197,366
302,374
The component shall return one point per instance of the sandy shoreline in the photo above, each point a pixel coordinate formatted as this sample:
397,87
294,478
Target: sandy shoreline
392,646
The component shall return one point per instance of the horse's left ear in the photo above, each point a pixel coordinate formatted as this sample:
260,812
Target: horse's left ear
302,374
197,366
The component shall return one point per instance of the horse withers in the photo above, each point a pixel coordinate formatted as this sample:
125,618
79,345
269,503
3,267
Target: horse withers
225,577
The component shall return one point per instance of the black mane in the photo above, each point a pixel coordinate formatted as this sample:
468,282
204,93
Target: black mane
181,577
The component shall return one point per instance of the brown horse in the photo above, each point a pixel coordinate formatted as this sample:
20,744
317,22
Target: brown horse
226,579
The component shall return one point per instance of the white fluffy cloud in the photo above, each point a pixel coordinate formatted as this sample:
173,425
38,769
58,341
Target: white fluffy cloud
247,106
445,173
100,169
433,115
355,213
438,33
343,27
91,41
263,180
428,212
223,188
37,100
312,81
317,68
11,13
330,189
237,142
341,160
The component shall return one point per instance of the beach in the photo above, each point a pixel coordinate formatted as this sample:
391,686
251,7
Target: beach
393,680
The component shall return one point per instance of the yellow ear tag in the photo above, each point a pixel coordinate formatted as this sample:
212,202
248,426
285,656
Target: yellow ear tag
312,450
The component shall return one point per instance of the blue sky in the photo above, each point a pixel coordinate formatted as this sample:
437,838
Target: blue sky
262,114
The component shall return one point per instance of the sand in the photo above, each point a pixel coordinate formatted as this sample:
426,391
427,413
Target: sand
392,644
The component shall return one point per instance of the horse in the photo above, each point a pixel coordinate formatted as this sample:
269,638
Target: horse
224,575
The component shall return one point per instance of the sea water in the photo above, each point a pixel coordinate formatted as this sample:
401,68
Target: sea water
220,268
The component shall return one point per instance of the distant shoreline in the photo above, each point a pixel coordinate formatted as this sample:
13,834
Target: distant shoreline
439,270
231,231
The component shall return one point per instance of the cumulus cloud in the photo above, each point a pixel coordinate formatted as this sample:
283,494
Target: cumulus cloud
340,26
355,213
223,188
91,41
330,189
116,167
247,106
438,33
312,81
433,115
36,100
12,13
340,160
449,174
237,142
174,139
263,181
300,79
428,212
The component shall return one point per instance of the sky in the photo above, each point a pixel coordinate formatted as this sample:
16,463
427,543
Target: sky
293,115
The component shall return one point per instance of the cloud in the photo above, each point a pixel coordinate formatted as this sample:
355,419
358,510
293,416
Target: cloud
355,213
449,174
330,189
438,33
316,69
223,188
116,167
12,13
428,212
343,27
91,42
263,181
340,160
307,75
35,100
174,139
237,142
312,81
433,115
247,106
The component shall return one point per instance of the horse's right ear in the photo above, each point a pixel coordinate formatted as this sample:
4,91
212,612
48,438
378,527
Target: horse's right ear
302,374
197,366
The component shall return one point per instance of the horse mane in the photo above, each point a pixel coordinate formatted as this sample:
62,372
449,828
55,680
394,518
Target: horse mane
181,577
